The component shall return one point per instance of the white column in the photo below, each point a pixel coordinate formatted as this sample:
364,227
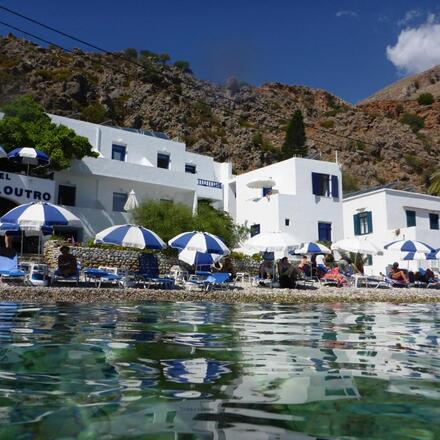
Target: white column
195,202
98,139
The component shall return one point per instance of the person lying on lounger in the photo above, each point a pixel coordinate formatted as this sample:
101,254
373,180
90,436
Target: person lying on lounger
397,274
67,264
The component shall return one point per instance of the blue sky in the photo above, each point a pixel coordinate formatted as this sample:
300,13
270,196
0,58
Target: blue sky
340,46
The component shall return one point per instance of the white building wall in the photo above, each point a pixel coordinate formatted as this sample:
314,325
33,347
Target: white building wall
388,208
294,201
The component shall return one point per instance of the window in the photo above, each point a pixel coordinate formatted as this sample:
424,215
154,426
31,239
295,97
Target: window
119,200
287,221
190,168
433,221
255,230
267,191
363,223
119,152
410,218
324,231
325,185
66,195
163,160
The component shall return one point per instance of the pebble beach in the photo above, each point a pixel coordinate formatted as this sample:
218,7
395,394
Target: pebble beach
245,294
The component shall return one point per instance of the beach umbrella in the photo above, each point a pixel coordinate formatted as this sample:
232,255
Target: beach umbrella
3,153
357,246
132,202
32,216
279,242
435,254
419,256
408,246
261,183
199,241
130,236
198,258
14,229
29,156
311,247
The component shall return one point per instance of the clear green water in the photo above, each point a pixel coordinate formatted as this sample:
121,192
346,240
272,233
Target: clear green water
216,371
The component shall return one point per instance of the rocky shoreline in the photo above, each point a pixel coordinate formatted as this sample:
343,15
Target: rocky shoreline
240,295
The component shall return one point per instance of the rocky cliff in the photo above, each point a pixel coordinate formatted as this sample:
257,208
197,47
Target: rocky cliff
235,121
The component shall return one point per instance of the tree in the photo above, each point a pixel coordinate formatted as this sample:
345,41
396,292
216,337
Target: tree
26,125
169,219
425,99
294,143
183,66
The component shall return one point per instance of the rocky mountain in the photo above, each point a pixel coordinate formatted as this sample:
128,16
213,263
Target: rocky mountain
234,121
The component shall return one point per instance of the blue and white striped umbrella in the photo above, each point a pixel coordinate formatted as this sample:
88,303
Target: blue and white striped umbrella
435,254
198,258
200,242
14,229
419,256
32,216
311,247
130,236
408,246
29,156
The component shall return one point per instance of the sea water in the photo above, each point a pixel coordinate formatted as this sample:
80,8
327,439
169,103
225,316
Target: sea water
219,371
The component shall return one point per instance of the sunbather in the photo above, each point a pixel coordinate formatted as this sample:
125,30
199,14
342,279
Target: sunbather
305,267
265,270
397,274
228,267
67,264
334,275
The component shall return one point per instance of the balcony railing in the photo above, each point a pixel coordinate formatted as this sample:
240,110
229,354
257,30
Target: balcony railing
209,183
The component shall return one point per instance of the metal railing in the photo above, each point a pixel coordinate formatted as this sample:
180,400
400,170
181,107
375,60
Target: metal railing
209,183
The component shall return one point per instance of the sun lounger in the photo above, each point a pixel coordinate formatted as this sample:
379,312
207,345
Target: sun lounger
74,278
99,276
9,269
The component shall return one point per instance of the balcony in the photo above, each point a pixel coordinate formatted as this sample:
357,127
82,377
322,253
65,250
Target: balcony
209,183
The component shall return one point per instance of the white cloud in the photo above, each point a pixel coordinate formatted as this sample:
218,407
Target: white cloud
410,16
350,14
417,48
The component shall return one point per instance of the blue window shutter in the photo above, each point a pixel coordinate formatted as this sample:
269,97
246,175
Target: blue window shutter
315,184
370,222
335,186
357,224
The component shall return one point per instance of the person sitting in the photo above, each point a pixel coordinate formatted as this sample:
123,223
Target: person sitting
397,274
67,264
228,267
305,267
287,274
321,266
265,271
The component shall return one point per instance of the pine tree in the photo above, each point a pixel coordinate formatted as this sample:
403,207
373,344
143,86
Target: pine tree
295,141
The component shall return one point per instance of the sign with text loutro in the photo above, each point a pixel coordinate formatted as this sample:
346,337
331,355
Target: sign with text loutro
25,189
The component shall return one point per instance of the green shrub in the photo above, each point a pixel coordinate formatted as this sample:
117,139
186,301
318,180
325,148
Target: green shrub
183,66
425,99
414,121
130,52
349,183
94,113
170,219
328,123
416,163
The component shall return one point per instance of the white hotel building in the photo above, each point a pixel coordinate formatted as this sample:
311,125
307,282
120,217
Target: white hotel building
385,215
306,200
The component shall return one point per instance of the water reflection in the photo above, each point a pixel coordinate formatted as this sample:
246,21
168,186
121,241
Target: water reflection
215,371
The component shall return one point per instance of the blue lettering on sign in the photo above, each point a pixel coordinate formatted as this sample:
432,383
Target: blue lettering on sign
20,192
4,176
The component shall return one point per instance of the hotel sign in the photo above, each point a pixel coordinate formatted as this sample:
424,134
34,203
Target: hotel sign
25,189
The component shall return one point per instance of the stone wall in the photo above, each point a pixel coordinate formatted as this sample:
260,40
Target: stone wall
95,257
